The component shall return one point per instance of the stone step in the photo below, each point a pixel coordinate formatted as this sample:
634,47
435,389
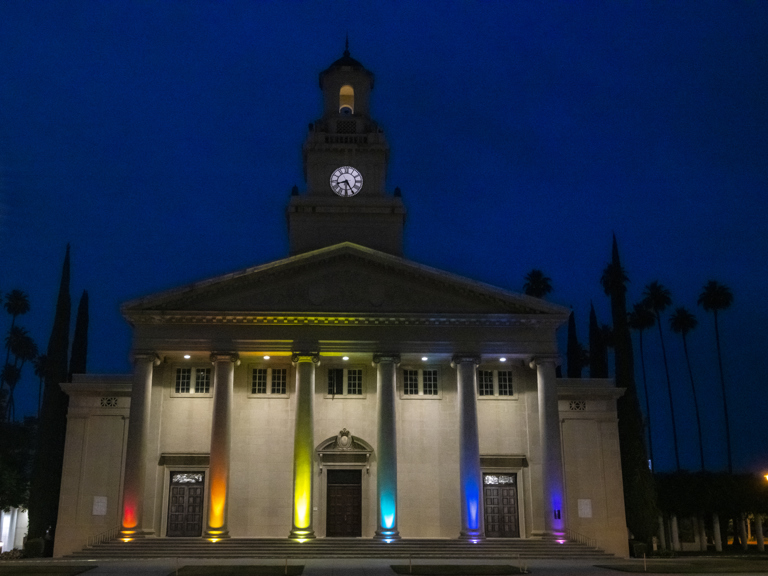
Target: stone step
338,548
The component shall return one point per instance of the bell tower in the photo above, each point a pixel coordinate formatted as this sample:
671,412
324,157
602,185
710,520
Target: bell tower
345,167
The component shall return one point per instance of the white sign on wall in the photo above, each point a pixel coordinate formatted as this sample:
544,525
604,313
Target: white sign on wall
585,508
99,505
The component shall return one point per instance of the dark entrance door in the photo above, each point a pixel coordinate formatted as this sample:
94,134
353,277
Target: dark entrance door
344,506
501,513
185,504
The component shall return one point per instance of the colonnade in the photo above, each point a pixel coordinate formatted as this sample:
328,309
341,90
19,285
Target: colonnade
134,525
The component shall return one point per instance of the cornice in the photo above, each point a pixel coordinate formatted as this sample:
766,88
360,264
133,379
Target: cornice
313,319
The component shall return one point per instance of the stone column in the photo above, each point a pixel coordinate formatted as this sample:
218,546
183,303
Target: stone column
136,451
675,533
386,448
470,476
716,532
304,445
759,533
662,534
553,492
742,531
221,438
702,532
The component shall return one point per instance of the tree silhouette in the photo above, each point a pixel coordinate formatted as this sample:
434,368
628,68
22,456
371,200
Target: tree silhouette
20,344
537,284
573,352
658,299
598,353
49,456
641,318
16,304
682,322
41,371
713,298
639,489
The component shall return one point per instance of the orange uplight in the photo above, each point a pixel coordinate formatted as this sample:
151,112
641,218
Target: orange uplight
129,516
766,476
218,501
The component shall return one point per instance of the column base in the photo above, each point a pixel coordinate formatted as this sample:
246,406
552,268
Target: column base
473,536
127,534
214,535
387,535
544,535
300,535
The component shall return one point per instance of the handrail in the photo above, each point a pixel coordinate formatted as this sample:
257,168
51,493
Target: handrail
580,538
102,537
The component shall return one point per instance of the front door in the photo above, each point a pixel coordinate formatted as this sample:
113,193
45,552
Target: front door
344,506
185,504
501,513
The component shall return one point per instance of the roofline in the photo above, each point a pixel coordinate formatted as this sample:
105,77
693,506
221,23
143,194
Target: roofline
350,247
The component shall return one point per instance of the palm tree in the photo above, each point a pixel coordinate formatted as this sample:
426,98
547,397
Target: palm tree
641,318
41,371
16,304
20,344
658,299
715,297
682,322
537,284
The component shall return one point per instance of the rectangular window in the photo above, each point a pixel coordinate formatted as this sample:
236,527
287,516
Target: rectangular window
191,381
183,379
336,381
495,383
269,382
485,382
421,383
202,380
410,382
505,383
345,383
279,380
259,381
354,382
430,382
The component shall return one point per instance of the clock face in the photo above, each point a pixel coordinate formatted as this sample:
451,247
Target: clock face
346,181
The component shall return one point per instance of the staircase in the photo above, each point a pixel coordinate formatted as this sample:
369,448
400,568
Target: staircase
339,548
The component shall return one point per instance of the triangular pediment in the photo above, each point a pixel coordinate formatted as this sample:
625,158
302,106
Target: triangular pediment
345,278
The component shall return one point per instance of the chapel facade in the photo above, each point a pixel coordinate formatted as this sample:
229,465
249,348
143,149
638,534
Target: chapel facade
343,391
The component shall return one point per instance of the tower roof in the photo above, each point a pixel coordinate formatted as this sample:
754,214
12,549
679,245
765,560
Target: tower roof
346,61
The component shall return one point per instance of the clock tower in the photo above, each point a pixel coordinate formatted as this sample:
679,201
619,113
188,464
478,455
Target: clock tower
345,167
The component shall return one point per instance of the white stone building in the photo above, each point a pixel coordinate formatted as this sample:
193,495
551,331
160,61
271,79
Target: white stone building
344,390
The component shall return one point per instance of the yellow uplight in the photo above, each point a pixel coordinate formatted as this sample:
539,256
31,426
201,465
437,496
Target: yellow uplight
218,501
766,476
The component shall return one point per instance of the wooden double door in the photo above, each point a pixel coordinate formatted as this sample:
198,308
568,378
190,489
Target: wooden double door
344,504
502,518
185,504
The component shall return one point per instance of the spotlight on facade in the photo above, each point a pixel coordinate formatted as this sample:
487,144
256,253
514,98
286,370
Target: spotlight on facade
266,357
424,358
502,359
187,356
345,358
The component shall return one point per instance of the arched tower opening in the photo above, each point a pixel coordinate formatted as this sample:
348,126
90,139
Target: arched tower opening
347,100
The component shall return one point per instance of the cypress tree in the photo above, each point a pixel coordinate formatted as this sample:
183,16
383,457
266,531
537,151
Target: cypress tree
46,476
639,489
574,350
78,359
598,352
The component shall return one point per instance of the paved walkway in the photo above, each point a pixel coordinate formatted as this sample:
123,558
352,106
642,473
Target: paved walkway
358,567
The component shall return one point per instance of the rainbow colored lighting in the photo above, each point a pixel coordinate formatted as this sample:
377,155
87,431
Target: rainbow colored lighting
218,501
388,509
473,503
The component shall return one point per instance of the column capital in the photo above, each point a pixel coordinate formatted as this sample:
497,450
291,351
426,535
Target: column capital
145,356
233,357
541,359
465,358
386,358
298,357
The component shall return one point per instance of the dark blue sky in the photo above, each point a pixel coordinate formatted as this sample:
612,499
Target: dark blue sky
162,140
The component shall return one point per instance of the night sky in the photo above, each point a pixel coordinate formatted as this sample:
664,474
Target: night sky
162,139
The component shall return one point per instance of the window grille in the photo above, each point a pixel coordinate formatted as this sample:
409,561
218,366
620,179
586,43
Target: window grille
202,381
410,381
485,382
355,382
505,383
279,380
430,382
259,381
183,380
